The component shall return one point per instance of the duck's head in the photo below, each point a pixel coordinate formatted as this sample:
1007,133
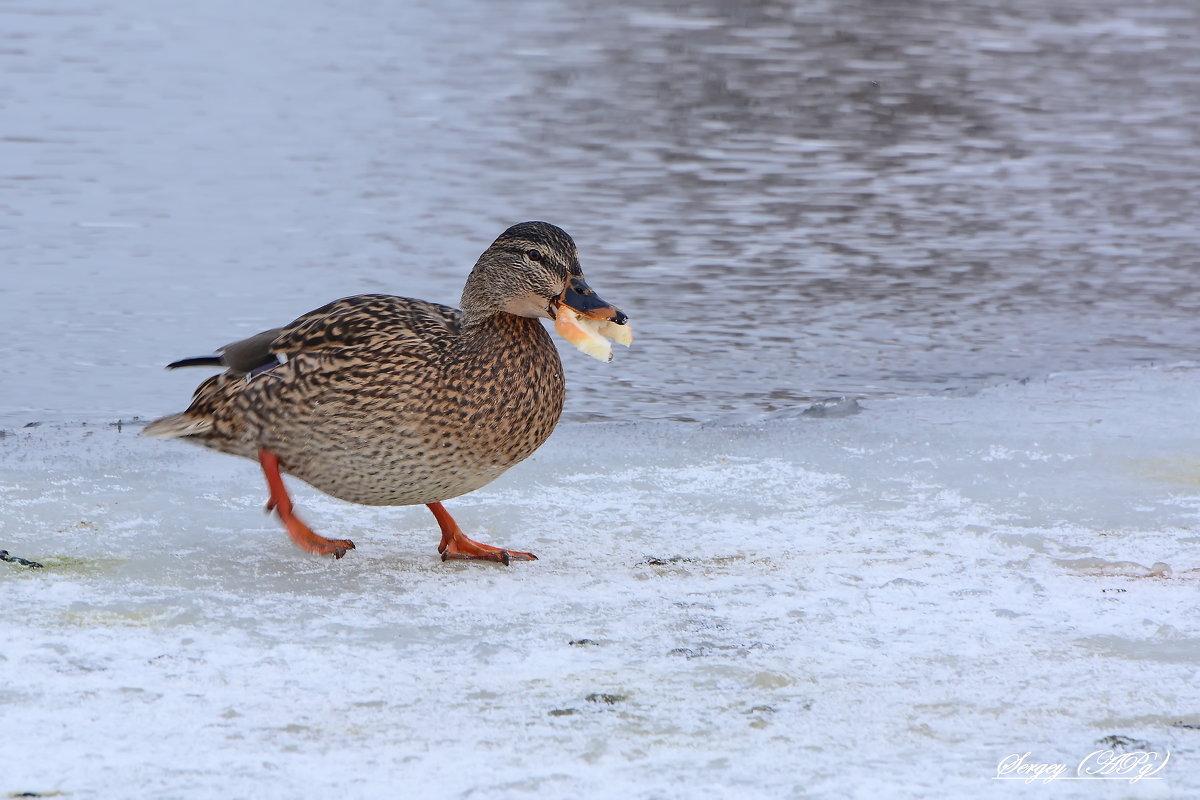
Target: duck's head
532,270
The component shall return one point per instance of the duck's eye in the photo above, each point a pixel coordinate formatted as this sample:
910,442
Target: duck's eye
534,255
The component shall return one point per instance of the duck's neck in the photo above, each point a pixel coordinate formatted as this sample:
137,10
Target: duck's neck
517,347
512,364
501,331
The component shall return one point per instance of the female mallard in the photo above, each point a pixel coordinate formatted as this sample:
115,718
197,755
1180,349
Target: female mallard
387,400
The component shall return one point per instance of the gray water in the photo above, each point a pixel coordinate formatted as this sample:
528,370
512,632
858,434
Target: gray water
791,200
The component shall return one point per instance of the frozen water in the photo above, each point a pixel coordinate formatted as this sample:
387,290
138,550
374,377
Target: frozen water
880,604
796,202
791,200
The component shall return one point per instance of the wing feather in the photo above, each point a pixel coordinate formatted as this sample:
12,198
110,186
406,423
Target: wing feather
374,321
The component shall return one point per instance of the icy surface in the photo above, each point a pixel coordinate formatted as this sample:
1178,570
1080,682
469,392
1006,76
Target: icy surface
877,604
791,200
794,201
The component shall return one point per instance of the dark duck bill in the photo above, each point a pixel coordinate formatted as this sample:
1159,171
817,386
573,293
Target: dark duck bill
587,321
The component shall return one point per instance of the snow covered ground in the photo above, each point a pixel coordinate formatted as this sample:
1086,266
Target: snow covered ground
881,604
791,201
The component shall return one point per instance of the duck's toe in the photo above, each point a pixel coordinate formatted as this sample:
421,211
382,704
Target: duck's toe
456,544
485,552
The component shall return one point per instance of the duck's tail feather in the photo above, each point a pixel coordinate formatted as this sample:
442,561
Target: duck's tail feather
176,425
198,361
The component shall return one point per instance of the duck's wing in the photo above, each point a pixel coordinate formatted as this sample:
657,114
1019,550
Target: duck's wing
366,320
373,322
370,327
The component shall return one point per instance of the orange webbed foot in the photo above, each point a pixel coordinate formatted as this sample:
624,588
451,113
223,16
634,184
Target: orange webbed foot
305,539
456,544
281,504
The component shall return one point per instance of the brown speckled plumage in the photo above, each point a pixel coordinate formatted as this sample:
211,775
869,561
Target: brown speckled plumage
386,400
391,401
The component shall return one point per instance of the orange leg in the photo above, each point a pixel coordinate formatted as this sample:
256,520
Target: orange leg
455,543
281,504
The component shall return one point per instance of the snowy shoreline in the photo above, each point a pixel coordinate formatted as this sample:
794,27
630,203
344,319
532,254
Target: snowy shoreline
885,604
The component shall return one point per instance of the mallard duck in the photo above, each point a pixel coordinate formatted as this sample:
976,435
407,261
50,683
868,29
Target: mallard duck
392,401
